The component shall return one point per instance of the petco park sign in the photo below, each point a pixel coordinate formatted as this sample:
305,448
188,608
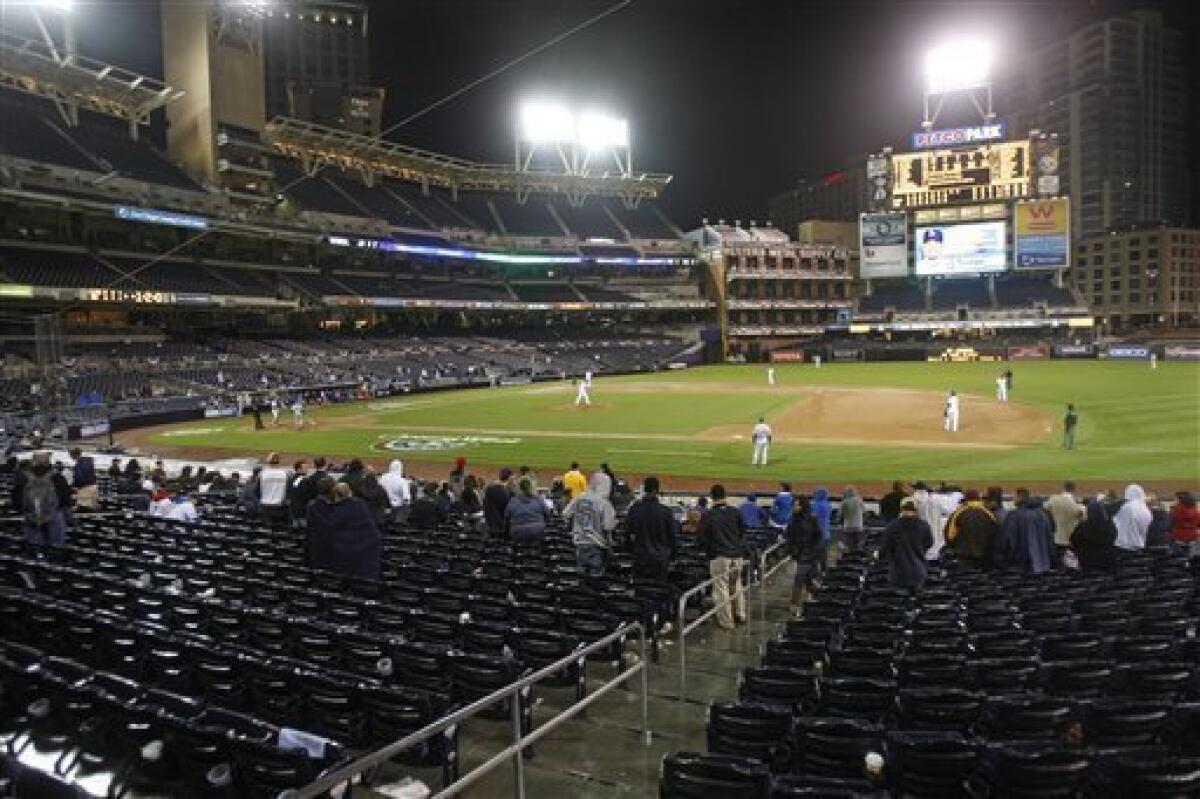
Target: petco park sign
952,137
435,443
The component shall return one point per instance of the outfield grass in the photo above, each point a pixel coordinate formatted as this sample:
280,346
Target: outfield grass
1136,424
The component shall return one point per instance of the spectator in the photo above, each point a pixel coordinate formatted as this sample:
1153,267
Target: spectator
342,536
1185,523
652,529
822,512
853,527
781,507
526,514
722,538
592,519
365,486
753,516
42,495
889,503
1026,541
693,516
905,541
1159,533
397,487
469,503
114,469
528,474
574,481
994,500
249,496
1133,519
83,480
272,490
444,501
296,479
182,509
305,491
807,547
558,494
458,477
423,515
929,508
495,503
971,533
1093,540
1066,513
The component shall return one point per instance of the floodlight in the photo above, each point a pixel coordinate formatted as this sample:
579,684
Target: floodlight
546,123
595,131
61,6
959,65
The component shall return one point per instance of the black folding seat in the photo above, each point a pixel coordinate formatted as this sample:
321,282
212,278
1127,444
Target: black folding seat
268,770
874,635
811,630
1001,675
1071,646
929,764
932,670
419,665
217,677
835,747
387,620
545,617
392,713
1156,678
1031,770
487,638
796,688
940,642
592,625
793,653
1049,621
857,697
790,786
949,709
752,729
537,649
331,707
693,775
273,689
434,628
1178,626
862,662
313,643
446,602
1024,717
1005,644
1162,776
1113,722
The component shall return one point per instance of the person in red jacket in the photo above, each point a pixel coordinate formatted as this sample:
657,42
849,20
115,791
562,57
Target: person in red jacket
1185,523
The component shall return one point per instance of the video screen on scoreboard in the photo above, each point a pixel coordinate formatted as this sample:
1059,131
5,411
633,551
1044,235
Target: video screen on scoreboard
960,249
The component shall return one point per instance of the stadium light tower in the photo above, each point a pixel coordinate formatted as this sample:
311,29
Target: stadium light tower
958,67
64,10
583,141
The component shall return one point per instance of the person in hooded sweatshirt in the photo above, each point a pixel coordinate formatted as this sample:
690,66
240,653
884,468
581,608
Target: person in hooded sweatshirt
1185,523
1159,534
853,533
753,515
807,547
592,519
1026,540
423,514
396,486
526,515
822,511
903,547
1093,539
341,534
43,496
1133,519
652,530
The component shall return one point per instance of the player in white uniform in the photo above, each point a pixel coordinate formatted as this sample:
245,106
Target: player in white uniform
817,361
1001,389
581,389
770,375
1154,360
951,413
298,412
761,436
275,411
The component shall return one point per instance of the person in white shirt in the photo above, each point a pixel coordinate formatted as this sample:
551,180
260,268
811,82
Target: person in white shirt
817,361
272,489
1154,360
275,411
950,413
581,390
298,412
182,509
770,375
397,486
761,437
1001,389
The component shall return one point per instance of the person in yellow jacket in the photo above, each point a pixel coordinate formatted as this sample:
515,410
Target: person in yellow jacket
575,481
971,533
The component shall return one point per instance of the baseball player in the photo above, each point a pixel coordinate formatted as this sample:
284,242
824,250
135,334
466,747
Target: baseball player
581,390
816,361
950,413
771,376
275,408
298,411
1001,389
761,436
1154,360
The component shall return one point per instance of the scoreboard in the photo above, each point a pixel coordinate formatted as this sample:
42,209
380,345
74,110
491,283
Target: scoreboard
999,171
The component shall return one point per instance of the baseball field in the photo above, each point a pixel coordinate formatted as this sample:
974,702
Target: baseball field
866,423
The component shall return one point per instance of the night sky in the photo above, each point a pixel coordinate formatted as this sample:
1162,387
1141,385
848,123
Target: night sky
736,98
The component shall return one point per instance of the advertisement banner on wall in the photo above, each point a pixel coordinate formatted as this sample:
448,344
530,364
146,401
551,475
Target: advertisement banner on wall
884,245
847,354
1027,353
1041,238
962,249
1128,351
1182,352
787,356
1074,351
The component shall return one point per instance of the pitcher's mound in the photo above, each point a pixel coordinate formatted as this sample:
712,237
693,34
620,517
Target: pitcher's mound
900,417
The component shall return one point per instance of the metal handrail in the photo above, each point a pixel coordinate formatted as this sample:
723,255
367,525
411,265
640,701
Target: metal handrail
521,742
684,628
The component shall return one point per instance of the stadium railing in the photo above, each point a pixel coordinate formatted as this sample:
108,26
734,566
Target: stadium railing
760,576
521,741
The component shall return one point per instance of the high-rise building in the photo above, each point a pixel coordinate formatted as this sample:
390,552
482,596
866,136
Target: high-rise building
839,196
1116,94
1140,277
312,49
